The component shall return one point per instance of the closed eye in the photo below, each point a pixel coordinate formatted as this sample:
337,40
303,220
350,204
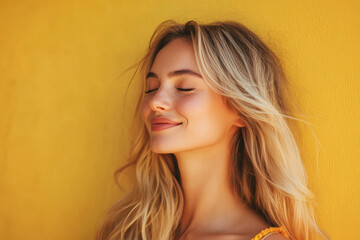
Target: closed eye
149,91
180,89
185,89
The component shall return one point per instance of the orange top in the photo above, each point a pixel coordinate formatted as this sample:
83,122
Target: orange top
266,232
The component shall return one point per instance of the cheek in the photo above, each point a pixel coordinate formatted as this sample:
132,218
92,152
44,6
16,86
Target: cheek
197,109
192,106
205,114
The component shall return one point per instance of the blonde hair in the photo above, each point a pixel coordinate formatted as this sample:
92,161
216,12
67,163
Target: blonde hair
267,171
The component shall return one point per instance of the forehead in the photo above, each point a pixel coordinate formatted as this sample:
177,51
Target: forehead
177,54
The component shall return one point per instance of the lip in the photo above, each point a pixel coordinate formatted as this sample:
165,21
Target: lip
158,120
163,126
162,123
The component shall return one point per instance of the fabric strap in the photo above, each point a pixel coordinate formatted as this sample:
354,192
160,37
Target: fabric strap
267,235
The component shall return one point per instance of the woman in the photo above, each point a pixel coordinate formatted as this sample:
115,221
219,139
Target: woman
214,157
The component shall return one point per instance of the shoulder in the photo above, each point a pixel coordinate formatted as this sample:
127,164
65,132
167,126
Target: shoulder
273,236
276,236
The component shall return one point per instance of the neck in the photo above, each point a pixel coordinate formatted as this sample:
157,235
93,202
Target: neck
205,179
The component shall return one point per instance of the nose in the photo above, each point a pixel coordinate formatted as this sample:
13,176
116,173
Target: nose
160,100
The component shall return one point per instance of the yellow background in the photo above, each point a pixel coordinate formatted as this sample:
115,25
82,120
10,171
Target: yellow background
63,125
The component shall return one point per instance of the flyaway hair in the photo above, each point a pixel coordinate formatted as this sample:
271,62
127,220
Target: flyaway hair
267,173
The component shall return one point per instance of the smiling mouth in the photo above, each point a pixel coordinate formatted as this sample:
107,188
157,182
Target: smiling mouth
163,126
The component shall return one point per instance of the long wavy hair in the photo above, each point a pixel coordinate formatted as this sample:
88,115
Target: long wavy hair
267,173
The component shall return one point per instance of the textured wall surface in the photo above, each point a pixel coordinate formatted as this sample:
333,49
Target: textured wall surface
63,126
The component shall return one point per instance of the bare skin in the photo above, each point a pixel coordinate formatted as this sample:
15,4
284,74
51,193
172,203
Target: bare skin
201,144
211,210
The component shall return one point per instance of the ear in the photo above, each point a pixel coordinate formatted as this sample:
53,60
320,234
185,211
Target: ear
239,123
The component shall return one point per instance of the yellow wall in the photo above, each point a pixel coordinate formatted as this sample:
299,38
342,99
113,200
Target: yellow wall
63,125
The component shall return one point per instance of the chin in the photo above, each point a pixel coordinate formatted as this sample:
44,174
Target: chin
163,150
162,145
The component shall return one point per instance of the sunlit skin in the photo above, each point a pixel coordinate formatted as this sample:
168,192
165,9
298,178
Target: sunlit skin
201,144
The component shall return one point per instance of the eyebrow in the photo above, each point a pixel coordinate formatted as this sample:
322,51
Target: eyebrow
176,73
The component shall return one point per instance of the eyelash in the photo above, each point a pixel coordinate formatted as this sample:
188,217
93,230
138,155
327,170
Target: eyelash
181,89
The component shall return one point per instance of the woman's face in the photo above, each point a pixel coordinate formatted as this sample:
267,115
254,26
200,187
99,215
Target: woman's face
179,93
